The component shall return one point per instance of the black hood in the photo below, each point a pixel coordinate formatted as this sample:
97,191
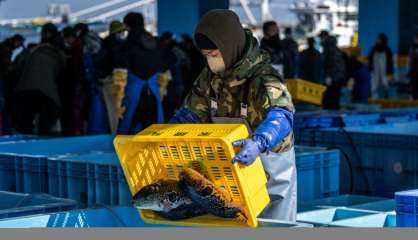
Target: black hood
224,29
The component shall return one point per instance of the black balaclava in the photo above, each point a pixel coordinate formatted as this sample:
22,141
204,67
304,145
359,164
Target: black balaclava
222,28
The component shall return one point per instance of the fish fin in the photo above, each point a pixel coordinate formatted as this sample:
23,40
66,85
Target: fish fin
240,217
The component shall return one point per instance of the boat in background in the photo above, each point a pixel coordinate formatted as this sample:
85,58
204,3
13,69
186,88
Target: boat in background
339,17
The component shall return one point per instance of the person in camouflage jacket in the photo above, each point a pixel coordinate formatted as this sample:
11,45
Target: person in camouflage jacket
266,89
239,73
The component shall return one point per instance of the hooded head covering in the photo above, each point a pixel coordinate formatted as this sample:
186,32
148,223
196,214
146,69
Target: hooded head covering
134,20
223,29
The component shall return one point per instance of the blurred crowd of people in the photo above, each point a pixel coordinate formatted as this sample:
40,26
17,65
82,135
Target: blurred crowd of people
323,62
58,86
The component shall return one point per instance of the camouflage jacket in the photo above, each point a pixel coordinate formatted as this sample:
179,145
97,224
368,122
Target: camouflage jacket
266,89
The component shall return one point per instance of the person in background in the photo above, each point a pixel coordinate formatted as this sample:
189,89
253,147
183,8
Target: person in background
239,85
144,60
334,71
7,47
413,68
290,54
179,68
110,48
37,91
7,78
310,67
80,94
359,72
381,66
197,62
67,83
272,44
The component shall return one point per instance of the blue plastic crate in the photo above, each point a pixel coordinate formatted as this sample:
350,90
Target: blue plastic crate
351,201
409,197
361,107
29,160
125,195
57,185
7,174
360,119
379,206
86,218
330,119
383,157
411,110
18,204
406,219
407,208
317,173
391,118
18,138
326,217
380,220
94,178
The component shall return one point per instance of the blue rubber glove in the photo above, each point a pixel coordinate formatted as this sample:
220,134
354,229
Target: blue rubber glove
184,115
275,127
250,149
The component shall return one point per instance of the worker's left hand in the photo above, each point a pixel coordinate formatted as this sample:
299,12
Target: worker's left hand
250,149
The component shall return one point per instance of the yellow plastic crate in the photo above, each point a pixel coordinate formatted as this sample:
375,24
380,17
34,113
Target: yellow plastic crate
394,103
352,51
306,91
162,151
401,60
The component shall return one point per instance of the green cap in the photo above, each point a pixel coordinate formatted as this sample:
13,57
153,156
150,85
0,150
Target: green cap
116,26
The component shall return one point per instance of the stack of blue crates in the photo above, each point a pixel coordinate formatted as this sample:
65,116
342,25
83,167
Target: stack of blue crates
19,204
93,178
318,172
23,165
384,158
407,208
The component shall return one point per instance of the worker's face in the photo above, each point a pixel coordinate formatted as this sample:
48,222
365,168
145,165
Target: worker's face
68,42
18,44
215,60
272,31
122,35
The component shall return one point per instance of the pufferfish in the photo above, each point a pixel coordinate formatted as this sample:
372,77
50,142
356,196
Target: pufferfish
215,200
193,195
167,199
